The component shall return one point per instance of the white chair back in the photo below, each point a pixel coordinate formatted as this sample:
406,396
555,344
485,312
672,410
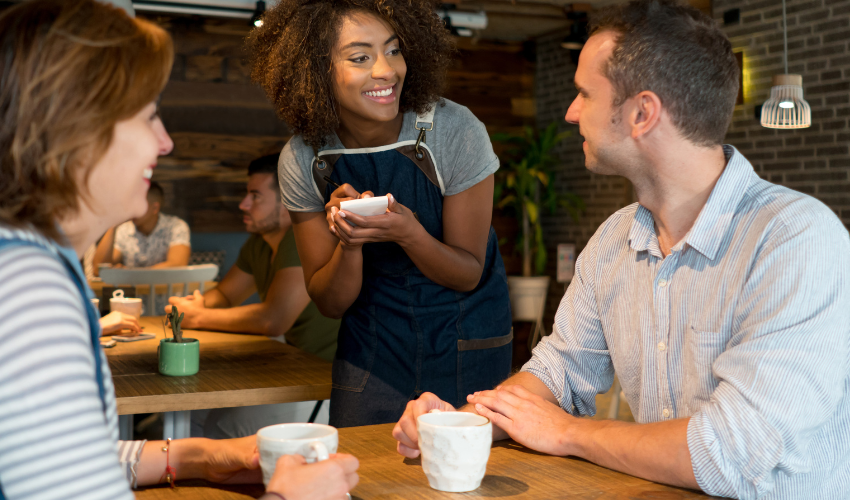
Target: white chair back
152,277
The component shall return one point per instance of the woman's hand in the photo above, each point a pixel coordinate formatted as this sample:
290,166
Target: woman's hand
329,479
116,321
232,461
397,224
340,194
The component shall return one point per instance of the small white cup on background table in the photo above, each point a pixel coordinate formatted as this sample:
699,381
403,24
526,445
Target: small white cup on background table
127,305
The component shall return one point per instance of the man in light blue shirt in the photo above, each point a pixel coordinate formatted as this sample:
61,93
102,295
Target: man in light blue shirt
721,301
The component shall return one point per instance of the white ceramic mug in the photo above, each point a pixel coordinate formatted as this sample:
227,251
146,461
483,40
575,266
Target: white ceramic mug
455,448
127,305
315,442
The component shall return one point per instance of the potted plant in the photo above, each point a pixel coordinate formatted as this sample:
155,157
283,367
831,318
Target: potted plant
524,187
178,356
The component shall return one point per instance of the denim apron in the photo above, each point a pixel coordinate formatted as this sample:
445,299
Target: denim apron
404,334
69,260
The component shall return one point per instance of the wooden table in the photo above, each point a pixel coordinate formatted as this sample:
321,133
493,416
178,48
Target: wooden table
513,471
235,370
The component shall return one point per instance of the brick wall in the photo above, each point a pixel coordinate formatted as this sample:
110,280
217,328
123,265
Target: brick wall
816,160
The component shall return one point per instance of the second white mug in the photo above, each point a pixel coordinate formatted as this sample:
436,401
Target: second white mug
455,448
314,442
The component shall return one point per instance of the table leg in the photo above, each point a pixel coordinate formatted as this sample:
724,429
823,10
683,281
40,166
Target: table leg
125,427
176,424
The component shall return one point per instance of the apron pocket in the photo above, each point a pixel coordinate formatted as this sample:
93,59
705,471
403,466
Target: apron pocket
482,364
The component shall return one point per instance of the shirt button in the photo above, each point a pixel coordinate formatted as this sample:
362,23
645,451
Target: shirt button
662,346
666,413
662,282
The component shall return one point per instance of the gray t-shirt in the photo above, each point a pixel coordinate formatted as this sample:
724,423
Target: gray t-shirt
462,152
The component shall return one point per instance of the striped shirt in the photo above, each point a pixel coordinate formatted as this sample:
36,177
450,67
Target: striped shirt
744,328
55,441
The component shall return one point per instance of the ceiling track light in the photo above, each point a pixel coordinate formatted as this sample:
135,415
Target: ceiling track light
257,17
786,108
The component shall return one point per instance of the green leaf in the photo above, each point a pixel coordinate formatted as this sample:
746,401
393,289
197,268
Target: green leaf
506,201
533,211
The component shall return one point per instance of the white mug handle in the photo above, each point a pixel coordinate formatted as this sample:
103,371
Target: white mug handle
118,294
320,449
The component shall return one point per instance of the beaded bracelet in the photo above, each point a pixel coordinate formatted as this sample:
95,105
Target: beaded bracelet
170,474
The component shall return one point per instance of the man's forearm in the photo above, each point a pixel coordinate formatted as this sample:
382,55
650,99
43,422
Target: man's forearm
251,318
657,451
214,299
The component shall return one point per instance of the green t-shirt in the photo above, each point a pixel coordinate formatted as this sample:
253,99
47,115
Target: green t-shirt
311,332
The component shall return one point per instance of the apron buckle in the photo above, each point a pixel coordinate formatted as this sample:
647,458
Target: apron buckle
419,154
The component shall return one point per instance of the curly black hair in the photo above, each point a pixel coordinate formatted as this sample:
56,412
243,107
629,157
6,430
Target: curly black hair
291,58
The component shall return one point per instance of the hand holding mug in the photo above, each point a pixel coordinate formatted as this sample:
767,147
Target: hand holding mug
405,431
329,479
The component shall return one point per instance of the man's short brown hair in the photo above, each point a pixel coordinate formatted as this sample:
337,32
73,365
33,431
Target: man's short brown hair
678,53
69,71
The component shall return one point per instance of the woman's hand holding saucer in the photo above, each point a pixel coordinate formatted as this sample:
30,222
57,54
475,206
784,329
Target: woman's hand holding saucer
397,224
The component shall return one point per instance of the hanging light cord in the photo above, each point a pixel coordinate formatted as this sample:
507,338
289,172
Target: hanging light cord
785,36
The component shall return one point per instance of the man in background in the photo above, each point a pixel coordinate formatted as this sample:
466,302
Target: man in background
268,264
154,240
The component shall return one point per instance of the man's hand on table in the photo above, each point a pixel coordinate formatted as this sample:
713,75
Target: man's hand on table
192,306
526,417
515,411
116,321
329,479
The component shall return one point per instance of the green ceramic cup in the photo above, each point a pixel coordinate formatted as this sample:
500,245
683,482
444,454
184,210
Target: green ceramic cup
178,359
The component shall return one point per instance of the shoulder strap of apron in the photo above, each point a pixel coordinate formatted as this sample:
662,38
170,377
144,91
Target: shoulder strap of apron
69,260
322,165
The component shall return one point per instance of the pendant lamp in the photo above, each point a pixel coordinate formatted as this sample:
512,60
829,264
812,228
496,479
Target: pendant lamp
786,107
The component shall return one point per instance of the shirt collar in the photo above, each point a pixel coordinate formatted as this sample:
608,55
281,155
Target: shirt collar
715,217
159,223
643,229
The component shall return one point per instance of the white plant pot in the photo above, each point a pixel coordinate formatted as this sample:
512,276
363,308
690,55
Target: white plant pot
528,294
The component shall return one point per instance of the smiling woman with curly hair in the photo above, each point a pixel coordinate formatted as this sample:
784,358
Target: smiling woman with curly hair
421,287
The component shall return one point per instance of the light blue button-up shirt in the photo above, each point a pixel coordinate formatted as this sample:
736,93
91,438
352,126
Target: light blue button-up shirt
744,328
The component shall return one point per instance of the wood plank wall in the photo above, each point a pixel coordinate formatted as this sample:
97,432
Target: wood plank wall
220,121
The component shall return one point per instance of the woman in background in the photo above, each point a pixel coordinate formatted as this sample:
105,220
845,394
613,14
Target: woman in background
79,138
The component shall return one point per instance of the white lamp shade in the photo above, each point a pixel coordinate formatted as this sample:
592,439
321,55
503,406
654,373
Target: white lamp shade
786,107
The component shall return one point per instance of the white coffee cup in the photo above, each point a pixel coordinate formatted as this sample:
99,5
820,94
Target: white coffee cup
127,305
455,448
315,442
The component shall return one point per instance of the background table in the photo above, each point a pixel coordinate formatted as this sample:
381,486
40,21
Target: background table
513,472
235,370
